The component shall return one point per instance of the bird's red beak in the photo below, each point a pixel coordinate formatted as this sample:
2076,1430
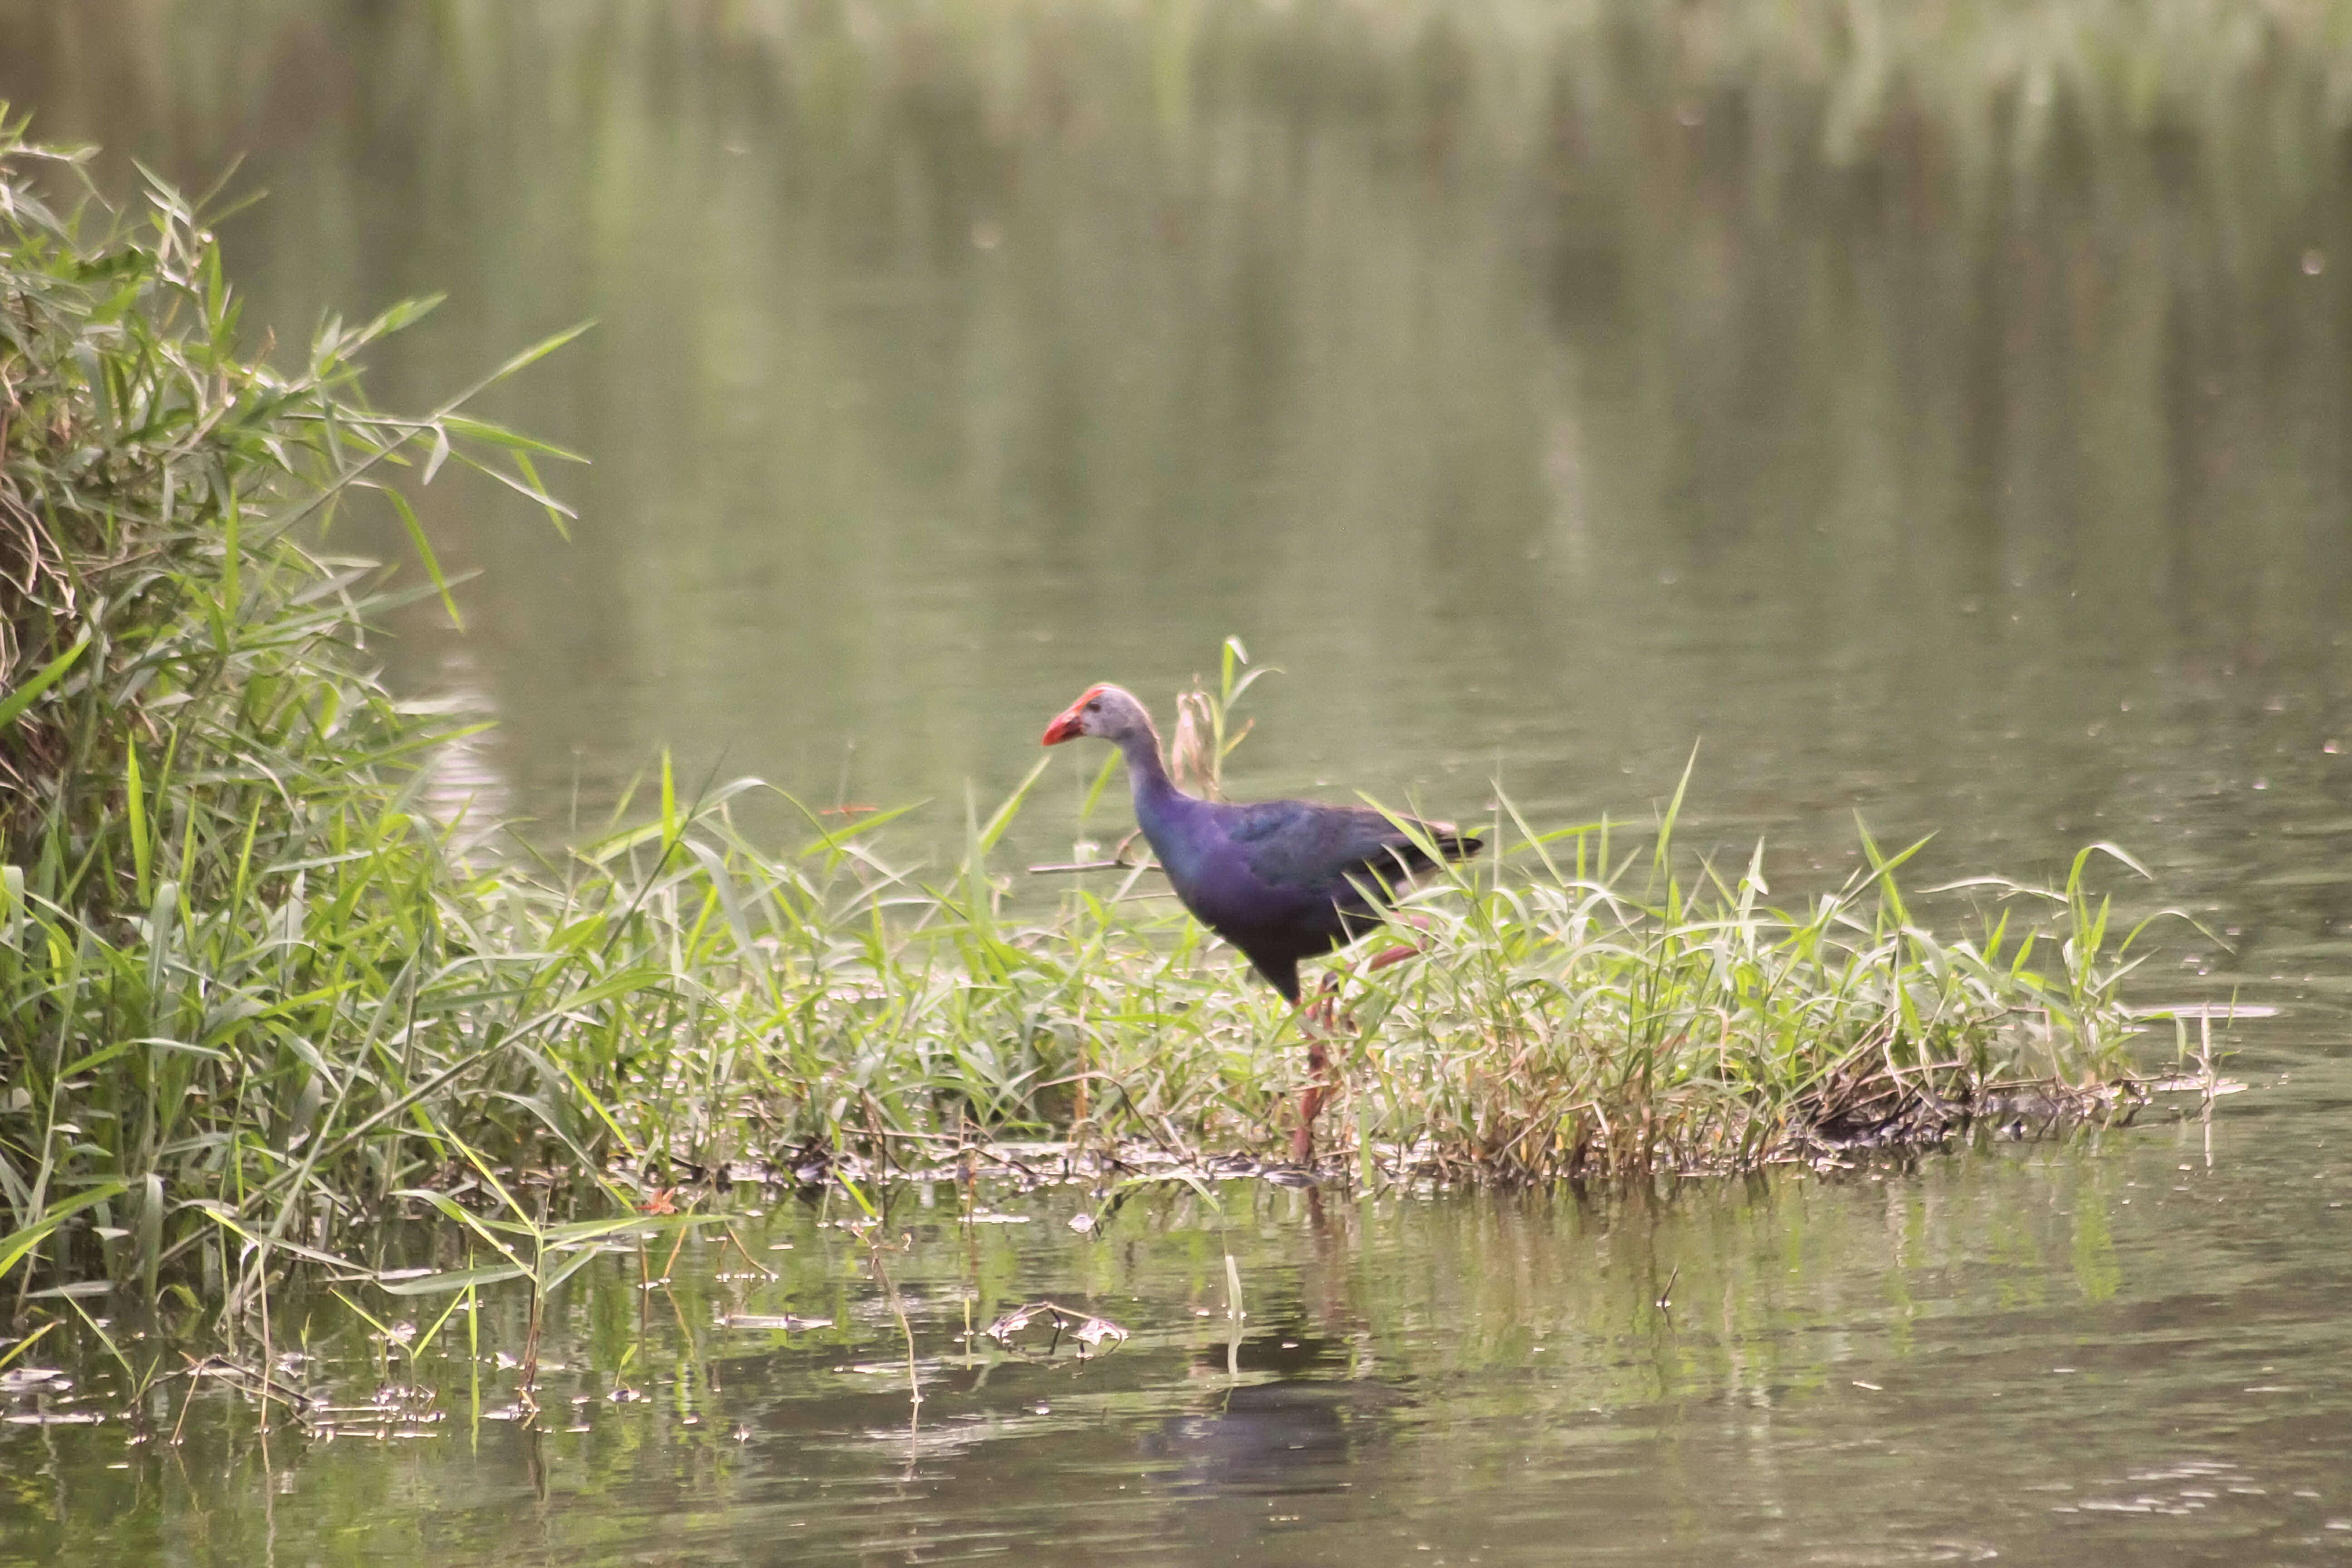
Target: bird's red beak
1066,728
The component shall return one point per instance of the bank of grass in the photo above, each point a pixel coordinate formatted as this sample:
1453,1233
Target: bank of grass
255,994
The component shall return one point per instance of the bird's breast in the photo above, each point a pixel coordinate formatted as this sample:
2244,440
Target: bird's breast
1231,900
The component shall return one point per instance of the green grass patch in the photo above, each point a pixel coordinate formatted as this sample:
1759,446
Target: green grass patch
255,996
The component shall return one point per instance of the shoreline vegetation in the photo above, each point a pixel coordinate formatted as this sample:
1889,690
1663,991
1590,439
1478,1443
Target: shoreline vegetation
1965,94
255,996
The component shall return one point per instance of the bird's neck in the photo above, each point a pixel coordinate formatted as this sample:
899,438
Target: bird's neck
1169,818
1156,794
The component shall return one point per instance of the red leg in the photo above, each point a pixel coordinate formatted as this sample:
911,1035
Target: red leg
1323,1011
1310,1101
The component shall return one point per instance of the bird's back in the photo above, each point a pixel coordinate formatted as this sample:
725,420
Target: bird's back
1332,849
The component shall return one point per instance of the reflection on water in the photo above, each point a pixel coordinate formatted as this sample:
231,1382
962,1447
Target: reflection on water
1951,430
2109,1346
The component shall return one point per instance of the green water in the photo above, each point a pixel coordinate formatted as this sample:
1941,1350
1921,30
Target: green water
1545,390
2124,1349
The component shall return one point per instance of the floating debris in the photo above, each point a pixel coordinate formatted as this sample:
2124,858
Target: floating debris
396,1410
2192,1083
784,1322
33,1380
1090,1332
249,1380
1098,1332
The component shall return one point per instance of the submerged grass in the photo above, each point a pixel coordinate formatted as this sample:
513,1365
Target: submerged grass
253,994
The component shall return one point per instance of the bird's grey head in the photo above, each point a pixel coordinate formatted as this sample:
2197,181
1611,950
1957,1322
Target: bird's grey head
1109,711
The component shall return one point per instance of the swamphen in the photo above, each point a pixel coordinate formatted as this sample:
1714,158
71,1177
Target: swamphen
1280,880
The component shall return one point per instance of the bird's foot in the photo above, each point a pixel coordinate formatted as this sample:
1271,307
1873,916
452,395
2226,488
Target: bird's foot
1324,1015
1323,1011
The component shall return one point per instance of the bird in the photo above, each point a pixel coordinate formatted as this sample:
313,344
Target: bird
1281,880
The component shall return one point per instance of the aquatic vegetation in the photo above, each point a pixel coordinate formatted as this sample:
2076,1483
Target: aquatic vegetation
256,992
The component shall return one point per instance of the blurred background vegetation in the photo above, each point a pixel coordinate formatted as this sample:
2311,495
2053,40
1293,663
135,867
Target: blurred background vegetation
1935,407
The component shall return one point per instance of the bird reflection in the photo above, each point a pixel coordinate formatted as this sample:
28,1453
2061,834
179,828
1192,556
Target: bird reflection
1260,1463
1296,1434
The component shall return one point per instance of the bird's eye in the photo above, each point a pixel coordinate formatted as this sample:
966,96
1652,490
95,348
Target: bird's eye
1094,707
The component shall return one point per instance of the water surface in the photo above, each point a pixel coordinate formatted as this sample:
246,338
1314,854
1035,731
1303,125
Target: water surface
2128,1347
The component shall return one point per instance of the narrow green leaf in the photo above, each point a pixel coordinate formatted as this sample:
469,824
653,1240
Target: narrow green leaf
424,548
453,1280
136,800
15,1246
48,675
1004,814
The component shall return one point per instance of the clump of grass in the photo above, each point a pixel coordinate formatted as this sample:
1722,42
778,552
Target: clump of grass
1570,1025
218,902
254,996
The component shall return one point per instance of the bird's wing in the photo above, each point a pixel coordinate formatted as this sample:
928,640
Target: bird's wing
1304,844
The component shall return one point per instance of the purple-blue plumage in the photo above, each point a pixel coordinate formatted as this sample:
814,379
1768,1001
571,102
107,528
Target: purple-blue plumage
1280,880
